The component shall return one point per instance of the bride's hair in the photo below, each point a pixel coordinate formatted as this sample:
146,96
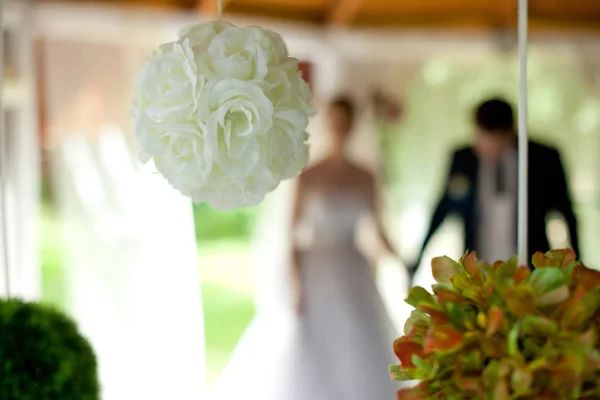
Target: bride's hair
344,103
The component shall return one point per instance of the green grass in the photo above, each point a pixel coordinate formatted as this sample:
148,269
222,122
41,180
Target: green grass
214,225
226,314
51,258
227,296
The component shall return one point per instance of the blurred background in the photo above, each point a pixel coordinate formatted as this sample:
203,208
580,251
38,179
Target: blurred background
97,234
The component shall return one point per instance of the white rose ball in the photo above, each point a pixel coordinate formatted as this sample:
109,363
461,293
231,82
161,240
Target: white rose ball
223,113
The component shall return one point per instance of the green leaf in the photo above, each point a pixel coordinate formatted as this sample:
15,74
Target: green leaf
473,361
588,278
474,267
419,295
567,371
493,373
493,320
461,281
419,392
513,341
424,368
520,300
521,381
397,373
532,346
469,386
417,324
461,315
547,279
553,297
404,348
541,260
592,358
444,294
564,256
442,339
577,314
538,326
492,347
443,269
589,338
502,273
476,294
540,363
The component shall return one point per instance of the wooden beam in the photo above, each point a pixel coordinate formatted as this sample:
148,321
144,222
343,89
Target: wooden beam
131,4
344,12
472,24
575,8
509,10
212,6
301,11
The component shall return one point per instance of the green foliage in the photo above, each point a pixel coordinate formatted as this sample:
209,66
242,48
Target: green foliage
51,258
503,332
43,355
227,313
213,224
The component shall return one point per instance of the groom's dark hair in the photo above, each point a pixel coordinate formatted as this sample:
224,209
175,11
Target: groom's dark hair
495,115
345,104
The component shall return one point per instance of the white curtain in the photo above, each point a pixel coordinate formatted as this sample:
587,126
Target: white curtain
20,154
130,255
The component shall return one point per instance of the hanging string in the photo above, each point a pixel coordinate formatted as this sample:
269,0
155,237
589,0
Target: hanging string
3,186
523,206
220,10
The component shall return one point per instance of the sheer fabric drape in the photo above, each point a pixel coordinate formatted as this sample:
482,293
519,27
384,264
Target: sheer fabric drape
130,258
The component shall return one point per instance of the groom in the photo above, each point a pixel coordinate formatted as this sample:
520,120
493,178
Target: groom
482,188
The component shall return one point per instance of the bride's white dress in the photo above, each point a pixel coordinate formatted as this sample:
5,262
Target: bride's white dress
340,346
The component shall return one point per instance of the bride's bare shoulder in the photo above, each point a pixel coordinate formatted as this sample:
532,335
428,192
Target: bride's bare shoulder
361,174
315,171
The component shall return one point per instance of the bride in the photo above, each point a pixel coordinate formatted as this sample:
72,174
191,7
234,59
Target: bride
335,342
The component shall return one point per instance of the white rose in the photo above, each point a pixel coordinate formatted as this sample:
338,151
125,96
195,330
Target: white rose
178,150
168,86
301,97
224,193
286,87
277,86
238,116
291,156
241,53
289,149
201,35
280,48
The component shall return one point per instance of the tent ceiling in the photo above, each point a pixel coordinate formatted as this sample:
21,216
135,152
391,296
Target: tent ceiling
431,14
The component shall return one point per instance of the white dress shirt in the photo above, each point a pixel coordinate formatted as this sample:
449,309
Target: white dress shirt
496,209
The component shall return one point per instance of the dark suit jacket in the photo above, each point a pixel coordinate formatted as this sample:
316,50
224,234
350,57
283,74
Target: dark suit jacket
548,191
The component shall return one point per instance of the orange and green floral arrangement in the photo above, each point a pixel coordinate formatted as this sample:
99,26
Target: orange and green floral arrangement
503,331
